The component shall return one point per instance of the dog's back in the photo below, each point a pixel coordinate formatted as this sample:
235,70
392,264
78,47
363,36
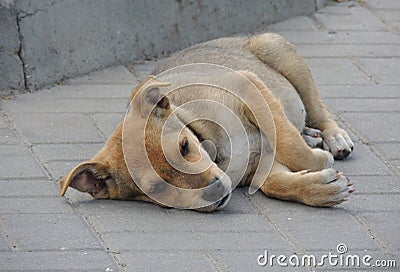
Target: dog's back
235,54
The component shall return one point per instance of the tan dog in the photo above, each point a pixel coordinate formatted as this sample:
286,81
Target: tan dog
271,64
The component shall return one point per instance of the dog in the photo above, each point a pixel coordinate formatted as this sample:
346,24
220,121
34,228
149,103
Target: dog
270,63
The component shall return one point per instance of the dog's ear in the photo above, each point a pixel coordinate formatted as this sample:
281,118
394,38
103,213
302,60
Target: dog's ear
88,177
153,98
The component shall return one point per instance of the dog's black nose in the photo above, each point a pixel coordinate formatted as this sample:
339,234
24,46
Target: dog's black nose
215,191
214,180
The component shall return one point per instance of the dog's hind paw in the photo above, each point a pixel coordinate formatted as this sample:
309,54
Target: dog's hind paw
312,137
338,142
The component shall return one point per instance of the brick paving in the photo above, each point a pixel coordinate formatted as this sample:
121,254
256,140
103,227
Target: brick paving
353,49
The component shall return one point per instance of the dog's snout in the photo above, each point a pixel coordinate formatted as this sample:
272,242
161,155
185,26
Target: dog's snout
215,191
214,180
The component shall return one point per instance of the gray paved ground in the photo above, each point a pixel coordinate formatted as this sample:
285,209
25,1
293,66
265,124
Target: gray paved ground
354,52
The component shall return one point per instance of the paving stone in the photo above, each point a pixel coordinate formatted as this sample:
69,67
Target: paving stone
247,261
375,184
107,122
267,205
3,243
394,26
345,50
363,91
386,231
358,19
365,187
26,188
66,105
383,4
187,241
49,232
67,152
341,8
7,136
390,151
164,261
58,169
182,222
383,70
339,37
81,91
362,162
36,205
388,15
237,205
3,123
85,260
143,70
340,71
56,128
113,75
373,203
85,204
396,165
76,198
319,231
362,105
17,161
296,23
375,127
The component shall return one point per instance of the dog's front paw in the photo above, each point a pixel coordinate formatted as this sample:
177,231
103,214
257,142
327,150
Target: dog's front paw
338,142
327,188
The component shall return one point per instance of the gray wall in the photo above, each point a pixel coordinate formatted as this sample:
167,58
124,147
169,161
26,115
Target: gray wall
43,41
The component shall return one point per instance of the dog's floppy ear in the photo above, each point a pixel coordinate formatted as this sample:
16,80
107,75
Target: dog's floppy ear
88,177
153,98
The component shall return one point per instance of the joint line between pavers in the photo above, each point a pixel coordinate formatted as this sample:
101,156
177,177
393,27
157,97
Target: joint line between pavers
12,243
24,142
317,23
380,193
274,226
375,237
362,70
377,15
368,146
41,163
98,235
213,262
96,125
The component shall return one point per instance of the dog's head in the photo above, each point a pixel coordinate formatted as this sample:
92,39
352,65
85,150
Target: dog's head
177,159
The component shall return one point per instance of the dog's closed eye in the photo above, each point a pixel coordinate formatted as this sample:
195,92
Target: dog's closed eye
184,147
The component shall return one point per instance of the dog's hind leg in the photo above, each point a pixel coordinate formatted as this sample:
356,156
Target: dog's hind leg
291,150
280,55
312,137
322,188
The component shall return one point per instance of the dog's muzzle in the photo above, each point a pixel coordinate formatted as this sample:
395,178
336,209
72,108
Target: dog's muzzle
217,193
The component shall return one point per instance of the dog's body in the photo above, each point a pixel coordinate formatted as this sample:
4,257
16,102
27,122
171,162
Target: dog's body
270,63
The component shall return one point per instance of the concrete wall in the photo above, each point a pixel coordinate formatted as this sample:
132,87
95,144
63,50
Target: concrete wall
45,41
11,68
